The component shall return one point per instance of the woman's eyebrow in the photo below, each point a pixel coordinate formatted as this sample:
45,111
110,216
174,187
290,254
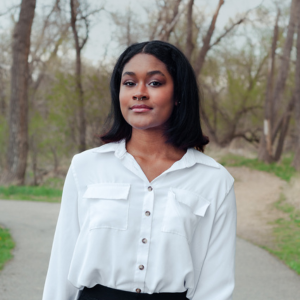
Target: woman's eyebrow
148,73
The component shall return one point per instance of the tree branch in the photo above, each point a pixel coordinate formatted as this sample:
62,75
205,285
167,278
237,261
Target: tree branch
206,41
226,32
170,24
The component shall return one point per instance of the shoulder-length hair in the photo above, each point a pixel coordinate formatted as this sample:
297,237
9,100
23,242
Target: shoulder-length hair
183,129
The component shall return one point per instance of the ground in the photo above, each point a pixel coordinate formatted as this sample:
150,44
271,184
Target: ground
256,192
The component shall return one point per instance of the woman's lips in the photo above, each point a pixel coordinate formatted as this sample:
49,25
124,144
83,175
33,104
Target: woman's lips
140,108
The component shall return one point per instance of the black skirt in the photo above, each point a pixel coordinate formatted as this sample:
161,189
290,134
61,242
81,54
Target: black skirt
104,293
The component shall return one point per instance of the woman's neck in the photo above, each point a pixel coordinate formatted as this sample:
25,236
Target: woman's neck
151,145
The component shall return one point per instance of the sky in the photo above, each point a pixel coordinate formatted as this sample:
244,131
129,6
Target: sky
101,34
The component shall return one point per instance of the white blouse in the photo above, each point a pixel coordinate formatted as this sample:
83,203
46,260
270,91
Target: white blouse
117,229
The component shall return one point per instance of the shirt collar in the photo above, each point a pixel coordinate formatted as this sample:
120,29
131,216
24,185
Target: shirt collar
191,157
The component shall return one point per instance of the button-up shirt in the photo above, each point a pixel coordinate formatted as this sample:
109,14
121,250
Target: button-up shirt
117,229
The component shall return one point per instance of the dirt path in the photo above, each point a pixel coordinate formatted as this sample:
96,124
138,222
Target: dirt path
256,193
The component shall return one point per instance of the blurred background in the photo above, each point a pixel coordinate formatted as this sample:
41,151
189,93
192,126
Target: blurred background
56,58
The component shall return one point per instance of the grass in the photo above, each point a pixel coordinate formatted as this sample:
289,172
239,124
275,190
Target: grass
281,169
287,234
6,245
32,193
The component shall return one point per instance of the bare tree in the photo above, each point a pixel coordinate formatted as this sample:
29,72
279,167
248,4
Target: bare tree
168,16
2,92
207,45
76,15
18,117
126,33
48,45
206,40
171,21
189,32
80,16
265,147
285,64
279,125
51,31
233,118
296,162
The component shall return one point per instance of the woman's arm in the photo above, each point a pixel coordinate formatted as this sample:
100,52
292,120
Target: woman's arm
57,286
216,280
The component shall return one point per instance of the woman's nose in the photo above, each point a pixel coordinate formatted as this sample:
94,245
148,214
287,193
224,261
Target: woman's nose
140,92
139,97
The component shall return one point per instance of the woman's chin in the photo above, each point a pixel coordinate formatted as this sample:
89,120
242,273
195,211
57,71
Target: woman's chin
144,126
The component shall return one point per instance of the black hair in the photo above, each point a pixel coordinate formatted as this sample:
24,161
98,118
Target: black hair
183,128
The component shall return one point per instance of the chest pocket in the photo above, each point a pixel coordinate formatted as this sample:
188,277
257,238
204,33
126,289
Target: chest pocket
182,211
109,204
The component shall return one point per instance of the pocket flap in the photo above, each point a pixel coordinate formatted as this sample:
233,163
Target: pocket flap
107,191
197,203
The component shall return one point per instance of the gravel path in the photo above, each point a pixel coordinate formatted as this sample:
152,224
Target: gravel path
259,275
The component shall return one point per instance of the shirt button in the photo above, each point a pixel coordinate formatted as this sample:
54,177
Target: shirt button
147,213
144,241
141,267
150,188
138,290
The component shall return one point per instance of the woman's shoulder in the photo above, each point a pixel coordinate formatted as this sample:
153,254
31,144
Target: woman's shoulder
213,168
89,156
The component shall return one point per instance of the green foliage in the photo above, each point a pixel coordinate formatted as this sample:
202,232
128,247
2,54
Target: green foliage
32,193
234,86
6,246
54,122
281,169
54,183
287,233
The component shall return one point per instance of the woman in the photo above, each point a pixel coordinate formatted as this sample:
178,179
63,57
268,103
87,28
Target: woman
147,215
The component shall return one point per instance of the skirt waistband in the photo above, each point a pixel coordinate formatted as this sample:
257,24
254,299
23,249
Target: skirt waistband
105,293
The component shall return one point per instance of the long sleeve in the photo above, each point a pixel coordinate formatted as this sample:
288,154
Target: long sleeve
216,280
57,286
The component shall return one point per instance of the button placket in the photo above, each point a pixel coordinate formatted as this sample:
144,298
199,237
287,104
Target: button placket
144,241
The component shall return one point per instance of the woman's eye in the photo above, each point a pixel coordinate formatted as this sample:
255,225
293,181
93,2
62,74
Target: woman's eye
155,83
128,83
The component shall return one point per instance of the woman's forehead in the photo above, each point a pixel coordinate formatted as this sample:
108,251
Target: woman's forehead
144,62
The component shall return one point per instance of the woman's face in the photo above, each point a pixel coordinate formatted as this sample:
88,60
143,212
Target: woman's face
146,77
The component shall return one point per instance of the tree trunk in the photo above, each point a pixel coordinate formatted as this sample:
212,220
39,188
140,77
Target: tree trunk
55,159
81,105
189,36
265,146
2,94
296,161
18,118
34,158
284,128
206,41
285,64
